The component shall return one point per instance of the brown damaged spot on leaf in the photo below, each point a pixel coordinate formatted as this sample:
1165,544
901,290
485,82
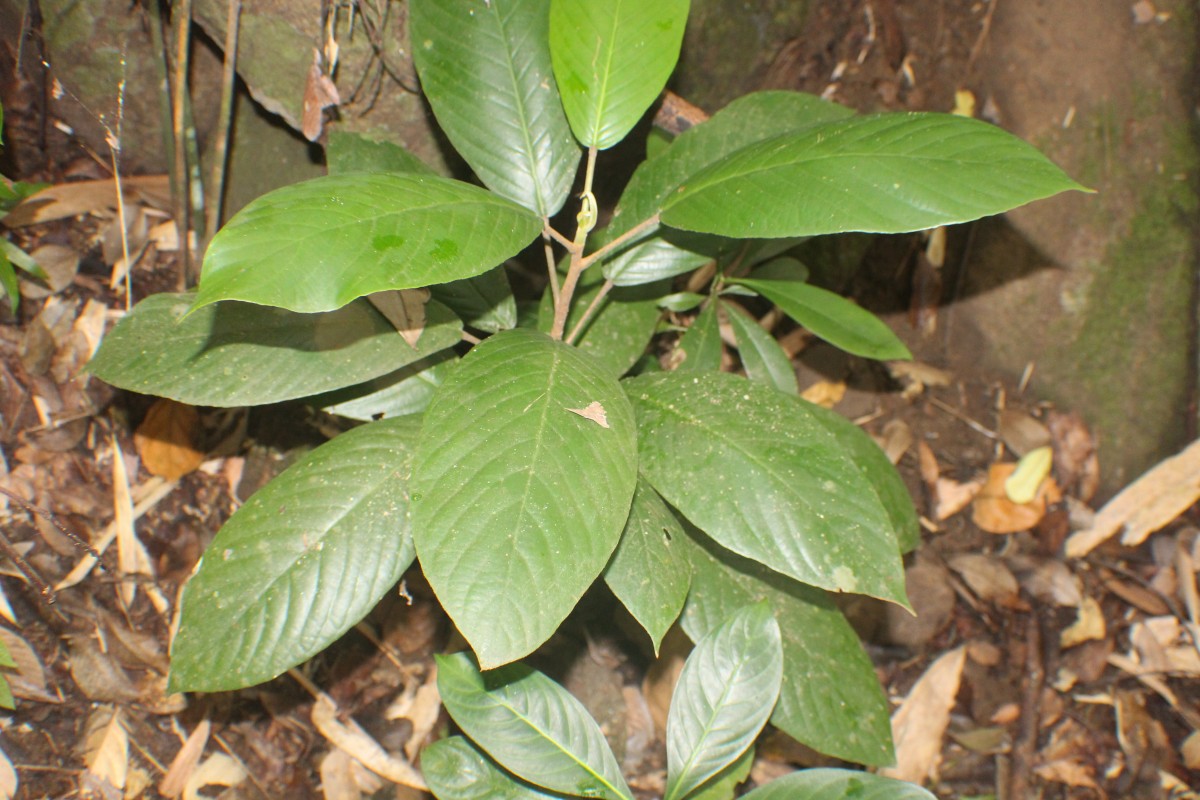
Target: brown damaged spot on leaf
405,309
166,439
593,411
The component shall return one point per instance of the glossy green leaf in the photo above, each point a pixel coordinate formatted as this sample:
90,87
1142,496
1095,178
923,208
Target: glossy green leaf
317,245
648,573
837,784
748,119
237,354
879,472
456,770
781,269
681,301
764,360
522,482
830,699
723,785
353,152
531,726
700,347
835,319
8,281
723,698
762,475
658,257
484,302
886,173
408,390
20,259
485,68
618,333
300,563
611,61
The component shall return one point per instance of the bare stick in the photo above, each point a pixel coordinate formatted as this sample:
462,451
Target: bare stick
181,15
591,309
221,149
617,243
48,515
551,270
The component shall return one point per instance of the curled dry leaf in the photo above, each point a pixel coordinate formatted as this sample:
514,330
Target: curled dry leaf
988,578
995,513
319,93
185,761
421,705
106,753
1089,624
354,740
953,496
919,725
826,394
1153,500
167,439
217,770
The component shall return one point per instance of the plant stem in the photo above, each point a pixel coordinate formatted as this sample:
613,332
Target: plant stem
181,16
586,221
617,243
591,309
551,272
221,147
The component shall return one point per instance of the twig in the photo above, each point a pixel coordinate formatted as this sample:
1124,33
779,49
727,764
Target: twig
591,309
983,34
970,423
181,16
551,267
617,243
221,148
1025,747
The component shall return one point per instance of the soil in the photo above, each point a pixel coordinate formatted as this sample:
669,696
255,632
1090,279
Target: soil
1042,710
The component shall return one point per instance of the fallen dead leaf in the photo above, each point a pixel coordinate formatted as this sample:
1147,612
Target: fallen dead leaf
29,681
660,680
826,394
953,496
1150,502
106,753
919,725
132,557
988,577
897,438
993,512
1069,771
319,93
185,761
89,197
8,778
405,309
354,740
421,705
593,411
916,376
337,776
217,770
1189,751
166,439
1089,624
1021,432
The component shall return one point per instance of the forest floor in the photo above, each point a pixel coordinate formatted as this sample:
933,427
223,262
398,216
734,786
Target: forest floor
1049,657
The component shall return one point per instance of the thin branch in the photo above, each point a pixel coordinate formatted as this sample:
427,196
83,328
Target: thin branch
591,309
558,237
181,16
617,243
225,120
586,220
551,269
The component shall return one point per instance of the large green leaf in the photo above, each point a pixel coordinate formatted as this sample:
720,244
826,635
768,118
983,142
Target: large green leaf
484,302
879,472
353,152
830,699
723,785
486,71
832,317
762,357
887,173
648,573
237,354
723,697
408,390
700,346
757,471
664,255
519,498
317,245
611,60
837,784
531,726
456,770
300,563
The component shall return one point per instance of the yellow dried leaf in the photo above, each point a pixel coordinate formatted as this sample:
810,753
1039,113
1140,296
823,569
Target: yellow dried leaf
919,725
995,513
166,439
826,394
1088,625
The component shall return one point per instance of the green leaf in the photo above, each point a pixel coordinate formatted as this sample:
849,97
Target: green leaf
531,726
618,333
486,72
781,269
611,61
723,785
6,659
663,255
763,358
514,490
484,302
456,770
758,472
748,119
701,346
887,173
317,245
8,281
648,572
408,390
830,699
832,317
837,784
236,354
353,152
723,697
879,472
20,259
681,301
300,563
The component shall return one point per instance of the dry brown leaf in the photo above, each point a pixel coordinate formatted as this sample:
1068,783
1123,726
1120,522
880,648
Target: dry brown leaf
166,439
1070,771
106,753
660,680
421,705
826,394
319,93
988,578
354,740
1189,751
98,675
217,770
916,376
897,438
919,725
132,558
185,761
927,462
59,262
593,411
953,496
337,777
1156,498
89,197
8,778
1089,624
1021,432
405,309
29,681
995,513
1137,596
